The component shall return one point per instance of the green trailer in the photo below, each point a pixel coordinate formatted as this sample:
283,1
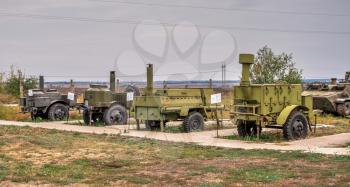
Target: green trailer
190,105
280,106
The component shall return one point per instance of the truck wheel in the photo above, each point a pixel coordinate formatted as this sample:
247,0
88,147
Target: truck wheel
58,112
247,128
296,126
193,122
343,109
115,114
152,124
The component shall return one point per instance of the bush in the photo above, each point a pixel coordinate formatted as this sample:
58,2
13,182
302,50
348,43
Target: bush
11,85
12,113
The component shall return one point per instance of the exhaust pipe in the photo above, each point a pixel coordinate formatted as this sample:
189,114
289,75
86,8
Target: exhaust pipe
112,81
41,82
333,81
149,88
246,60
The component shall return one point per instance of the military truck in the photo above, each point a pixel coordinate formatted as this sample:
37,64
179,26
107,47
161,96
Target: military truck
279,106
46,104
106,105
330,98
156,107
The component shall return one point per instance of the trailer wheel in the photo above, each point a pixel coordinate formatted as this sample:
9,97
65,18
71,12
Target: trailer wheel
58,112
115,114
193,122
343,109
296,126
152,124
247,128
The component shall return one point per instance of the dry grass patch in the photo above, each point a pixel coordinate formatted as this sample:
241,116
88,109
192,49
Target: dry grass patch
50,157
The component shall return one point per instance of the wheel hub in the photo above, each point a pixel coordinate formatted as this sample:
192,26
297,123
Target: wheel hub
59,114
195,124
298,128
116,116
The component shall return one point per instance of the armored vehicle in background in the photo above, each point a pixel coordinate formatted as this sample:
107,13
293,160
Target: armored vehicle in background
106,105
330,98
278,106
48,104
156,107
347,78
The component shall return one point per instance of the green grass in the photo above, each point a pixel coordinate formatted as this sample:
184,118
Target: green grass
136,179
264,137
67,158
63,174
210,185
22,172
3,172
259,174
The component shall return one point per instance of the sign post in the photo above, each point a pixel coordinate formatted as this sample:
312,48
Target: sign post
129,99
215,99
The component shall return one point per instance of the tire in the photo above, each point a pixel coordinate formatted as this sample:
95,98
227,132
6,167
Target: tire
194,122
116,114
152,124
58,112
296,126
343,109
247,128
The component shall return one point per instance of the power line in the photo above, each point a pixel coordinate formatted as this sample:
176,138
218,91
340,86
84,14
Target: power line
135,22
223,9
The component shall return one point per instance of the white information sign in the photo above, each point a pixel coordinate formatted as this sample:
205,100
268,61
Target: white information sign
70,96
129,96
30,93
216,98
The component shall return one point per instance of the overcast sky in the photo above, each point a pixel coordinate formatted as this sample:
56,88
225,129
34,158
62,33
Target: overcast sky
184,39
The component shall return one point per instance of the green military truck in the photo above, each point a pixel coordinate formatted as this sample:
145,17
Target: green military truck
156,107
103,104
278,106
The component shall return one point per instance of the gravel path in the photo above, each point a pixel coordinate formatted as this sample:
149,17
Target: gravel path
325,144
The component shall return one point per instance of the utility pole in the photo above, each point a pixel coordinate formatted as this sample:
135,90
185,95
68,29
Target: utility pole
223,75
21,93
71,85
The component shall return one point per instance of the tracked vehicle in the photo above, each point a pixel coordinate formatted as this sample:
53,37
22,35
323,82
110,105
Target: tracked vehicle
103,104
347,78
46,104
156,107
279,106
330,98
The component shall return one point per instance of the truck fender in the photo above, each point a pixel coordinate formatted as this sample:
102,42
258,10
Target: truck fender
282,118
115,103
54,102
184,111
342,100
